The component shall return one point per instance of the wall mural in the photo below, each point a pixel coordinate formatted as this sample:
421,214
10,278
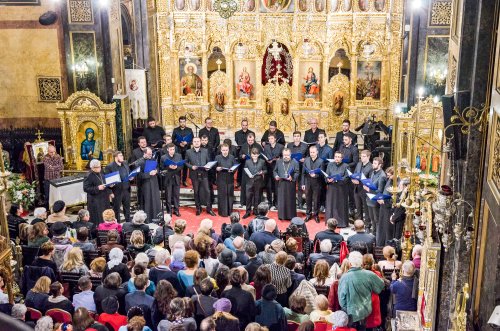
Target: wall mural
190,76
368,83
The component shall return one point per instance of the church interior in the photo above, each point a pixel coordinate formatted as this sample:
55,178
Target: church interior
418,82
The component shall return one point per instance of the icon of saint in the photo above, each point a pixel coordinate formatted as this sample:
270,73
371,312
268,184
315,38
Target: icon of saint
244,86
191,82
310,88
90,147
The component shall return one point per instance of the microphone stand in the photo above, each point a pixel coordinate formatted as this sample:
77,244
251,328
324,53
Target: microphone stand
195,125
295,122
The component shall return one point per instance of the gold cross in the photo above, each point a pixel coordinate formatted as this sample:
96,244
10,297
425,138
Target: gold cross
39,135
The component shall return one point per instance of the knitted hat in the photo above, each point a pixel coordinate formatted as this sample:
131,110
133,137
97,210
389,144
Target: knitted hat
223,305
58,206
237,230
338,319
110,305
58,229
269,292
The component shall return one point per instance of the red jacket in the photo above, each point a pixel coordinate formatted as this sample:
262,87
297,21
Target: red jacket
115,320
375,318
333,297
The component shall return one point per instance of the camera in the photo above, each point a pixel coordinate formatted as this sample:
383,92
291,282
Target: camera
494,320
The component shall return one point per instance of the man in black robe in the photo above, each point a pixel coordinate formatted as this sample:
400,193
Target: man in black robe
385,229
286,173
278,134
311,135
350,155
339,138
211,172
272,151
97,192
171,179
212,134
336,191
298,147
134,159
225,181
154,133
257,169
183,145
150,189
312,183
244,155
121,191
240,137
364,167
196,159
378,180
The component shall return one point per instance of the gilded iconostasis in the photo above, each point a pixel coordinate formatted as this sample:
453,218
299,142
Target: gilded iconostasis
283,60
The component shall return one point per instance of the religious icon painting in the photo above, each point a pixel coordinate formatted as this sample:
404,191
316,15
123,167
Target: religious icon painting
302,5
319,5
346,5
284,107
40,150
379,5
363,5
368,83
334,5
338,102
244,79
220,99
277,6
310,80
269,107
89,138
195,4
249,5
190,77
180,4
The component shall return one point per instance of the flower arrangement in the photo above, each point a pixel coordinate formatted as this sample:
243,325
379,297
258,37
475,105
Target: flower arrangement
21,191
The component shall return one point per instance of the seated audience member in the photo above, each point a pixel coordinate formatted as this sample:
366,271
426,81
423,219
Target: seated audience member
225,229
269,254
86,297
262,278
255,327
111,286
39,293
83,221
142,259
244,282
339,321
263,238
291,247
321,310
221,280
296,277
205,246
57,299
375,318
113,242
199,275
228,258
254,262
139,297
163,295
416,255
74,262
97,267
14,219
203,300
186,277
208,224
330,233
139,269
45,323
242,302
83,321
321,274
82,240
40,215
361,240
137,244
333,297
208,324
136,323
18,312
390,262
224,320
158,241
45,259
241,255
258,223
296,311
179,227
110,222
138,223
115,264
236,231
60,234
176,317
162,270
325,248
280,278
58,213
110,313
178,254
269,312
405,295
38,235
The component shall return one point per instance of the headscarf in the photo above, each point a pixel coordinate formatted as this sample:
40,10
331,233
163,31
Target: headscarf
115,257
338,319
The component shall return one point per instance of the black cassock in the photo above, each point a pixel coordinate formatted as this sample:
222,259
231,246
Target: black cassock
171,182
287,205
254,185
225,185
385,229
246,150
151,202
336,195
97,201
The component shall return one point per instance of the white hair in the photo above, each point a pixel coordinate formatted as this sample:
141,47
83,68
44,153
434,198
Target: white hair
270,225
206,223
408,268
18,311
167,218
45,323
325,246
94,163
355,259
417,250
139,217
39,212
142,258
162,256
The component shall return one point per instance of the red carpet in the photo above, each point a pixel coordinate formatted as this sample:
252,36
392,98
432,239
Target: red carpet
193,221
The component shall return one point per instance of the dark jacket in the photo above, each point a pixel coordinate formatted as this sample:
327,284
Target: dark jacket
102,292
271,314
153,135
312,137
261,239
339,140
129,227
121,269
362,240
315,257
252,266
158,273
224,324
89,225
31,274
138,298
242,305
59,302
35,300
334,237
241,257
14,222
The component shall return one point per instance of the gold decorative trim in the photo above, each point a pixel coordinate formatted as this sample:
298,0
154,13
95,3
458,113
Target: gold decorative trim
49,88
440,14
493,177
80,12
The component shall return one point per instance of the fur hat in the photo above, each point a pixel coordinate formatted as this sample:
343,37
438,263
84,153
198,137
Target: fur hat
58,229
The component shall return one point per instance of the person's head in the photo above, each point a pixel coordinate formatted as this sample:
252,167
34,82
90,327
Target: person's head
110,304
191,259
98,264
206,286
338,319
222,277
313,123
38,230
244,125
207,324
196,142
51,150
269,292
321,271
40,213
377,163
298,304
222,305
270,225
234,217
55,289
250,249
162,257
148,153
47,248
178,254
168,140
313,152
151,122
109,216
112,281
59,229
140,282
262,276
95,165
254,326
139,217
417,251
271,138
280,258
408,269
204,140
82,234
42,285
325,246
272,126
199,275
365,156
290,262
262,209
359,226
113,236
286,154
346,124
177,308
224,150
44,323
321,138
237,230
180,226
389,172
142,259
291,245
19,311
338,157
389,253
332,224
182,121
74,259
84,283
142,142
164,293
238,243
254,154
136,323
118,155
297,137
235,277
138,269
355,259
368,261
83,215
59,207
250,138
209,123
321,303
347,140
137,238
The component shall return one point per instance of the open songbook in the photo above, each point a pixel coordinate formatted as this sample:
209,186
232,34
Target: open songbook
187,138
249,173
314,171
337,177
112,178
233,168
297,156
368,183
132,174
169,162
380,196
210,165
355,176
150,165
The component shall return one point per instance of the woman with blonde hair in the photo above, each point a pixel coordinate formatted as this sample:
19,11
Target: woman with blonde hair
179,227
390,262
321,310
97,267
291,248
39,293
321,274
110,222
137,244
73,262
38,235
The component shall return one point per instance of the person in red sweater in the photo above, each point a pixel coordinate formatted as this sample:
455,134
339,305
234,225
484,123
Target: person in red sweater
110,314
375,318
